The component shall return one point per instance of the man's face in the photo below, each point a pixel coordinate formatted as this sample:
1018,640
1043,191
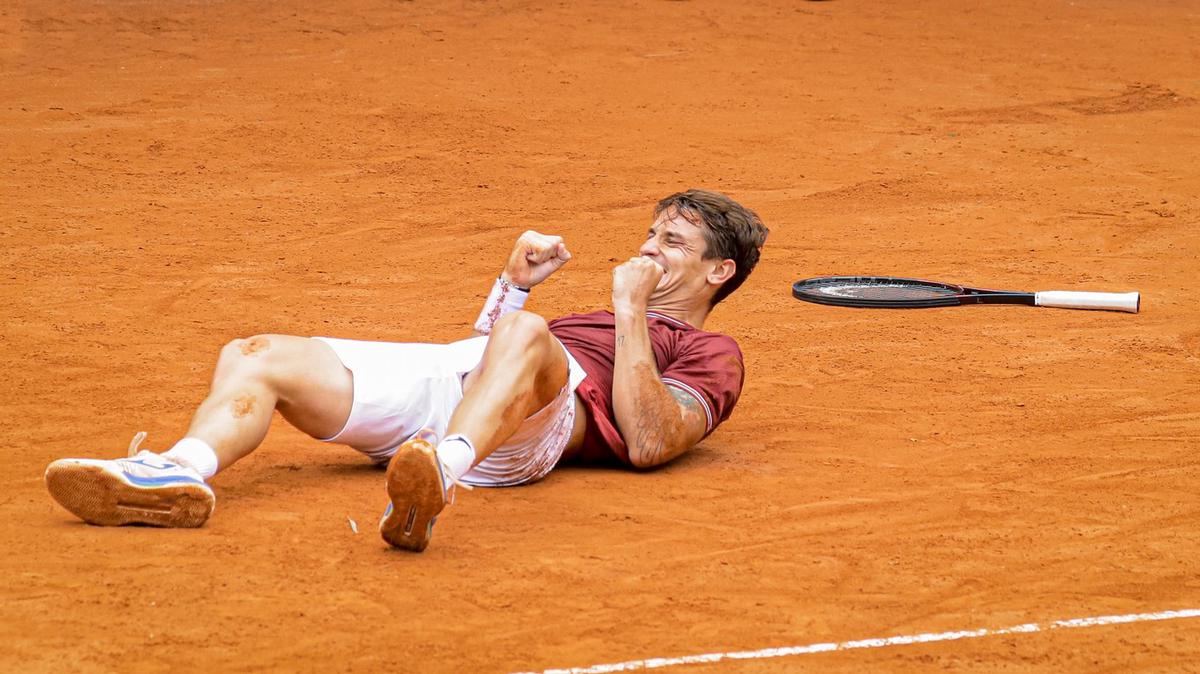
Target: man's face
678,246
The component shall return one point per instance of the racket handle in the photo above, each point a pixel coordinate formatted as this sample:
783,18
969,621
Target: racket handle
1070,299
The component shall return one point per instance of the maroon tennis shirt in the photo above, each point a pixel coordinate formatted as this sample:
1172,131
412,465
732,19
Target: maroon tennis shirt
706,365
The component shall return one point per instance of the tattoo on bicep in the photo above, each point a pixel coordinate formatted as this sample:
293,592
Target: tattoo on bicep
691,407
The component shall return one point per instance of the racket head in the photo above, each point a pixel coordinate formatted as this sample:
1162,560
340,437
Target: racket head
881,292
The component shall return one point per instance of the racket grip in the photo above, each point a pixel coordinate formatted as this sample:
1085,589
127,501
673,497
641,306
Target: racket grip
1070,299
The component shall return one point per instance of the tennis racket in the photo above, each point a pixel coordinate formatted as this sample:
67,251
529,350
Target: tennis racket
889,292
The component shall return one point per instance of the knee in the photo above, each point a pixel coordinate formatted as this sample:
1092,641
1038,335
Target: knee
260,353
521,329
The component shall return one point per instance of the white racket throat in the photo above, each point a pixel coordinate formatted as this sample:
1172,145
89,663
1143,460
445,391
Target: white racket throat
1071,299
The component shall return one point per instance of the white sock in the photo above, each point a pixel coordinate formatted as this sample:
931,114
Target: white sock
457,455
195,454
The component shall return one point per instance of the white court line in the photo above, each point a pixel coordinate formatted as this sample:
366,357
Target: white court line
879,642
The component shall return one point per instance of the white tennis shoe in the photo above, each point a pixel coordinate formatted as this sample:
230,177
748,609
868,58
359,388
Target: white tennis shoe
144,488
418,490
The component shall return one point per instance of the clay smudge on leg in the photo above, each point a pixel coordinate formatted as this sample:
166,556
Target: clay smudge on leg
255,345
243,405
515,412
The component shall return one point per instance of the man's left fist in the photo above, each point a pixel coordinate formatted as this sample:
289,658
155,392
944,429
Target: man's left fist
633,283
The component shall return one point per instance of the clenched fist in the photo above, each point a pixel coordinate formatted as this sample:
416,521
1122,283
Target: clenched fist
633,283
534,258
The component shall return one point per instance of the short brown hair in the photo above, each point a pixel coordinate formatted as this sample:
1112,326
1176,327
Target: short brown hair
731,231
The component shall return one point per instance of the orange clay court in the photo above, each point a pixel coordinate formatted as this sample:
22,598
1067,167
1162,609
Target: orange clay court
178,174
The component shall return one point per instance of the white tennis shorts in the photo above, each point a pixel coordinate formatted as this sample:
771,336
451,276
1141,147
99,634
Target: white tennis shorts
400,389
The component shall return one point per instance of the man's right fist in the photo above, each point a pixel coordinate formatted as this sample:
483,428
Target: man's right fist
534,258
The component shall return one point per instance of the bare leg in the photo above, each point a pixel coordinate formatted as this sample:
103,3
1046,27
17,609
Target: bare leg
301,377
523,369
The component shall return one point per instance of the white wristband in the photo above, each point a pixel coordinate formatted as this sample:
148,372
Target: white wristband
505,298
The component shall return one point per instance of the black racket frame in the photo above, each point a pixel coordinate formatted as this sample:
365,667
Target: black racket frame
963,294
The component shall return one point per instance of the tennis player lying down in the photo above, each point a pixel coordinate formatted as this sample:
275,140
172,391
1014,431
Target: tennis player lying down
640,384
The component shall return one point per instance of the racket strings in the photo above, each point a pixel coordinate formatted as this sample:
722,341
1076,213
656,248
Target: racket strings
879,291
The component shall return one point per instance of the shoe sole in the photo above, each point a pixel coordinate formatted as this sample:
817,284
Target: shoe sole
96,496
415,489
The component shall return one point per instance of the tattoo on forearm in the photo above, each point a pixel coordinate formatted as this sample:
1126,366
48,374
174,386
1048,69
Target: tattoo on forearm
661,426
620,340
650,435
